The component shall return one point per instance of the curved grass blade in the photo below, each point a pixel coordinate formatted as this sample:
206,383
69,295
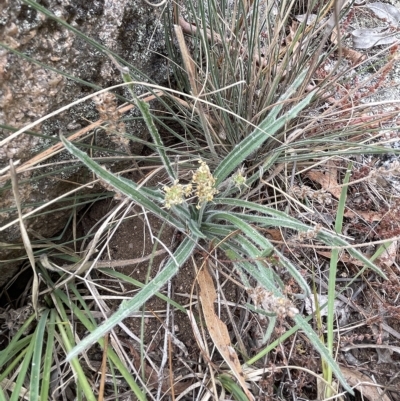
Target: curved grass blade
37,357
327,237
183,252
148,119
229,384
127,279
267,249
12,347
80,374
332,280
23,370
20,354
91,326
128,188
2,395
300,321
48,356
317,344
265,130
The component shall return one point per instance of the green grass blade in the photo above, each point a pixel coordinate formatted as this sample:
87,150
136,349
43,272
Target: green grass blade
88,323
332,240
265,130
15,361
332,278
127,187
325,354
37,357
4,355
130,280
267,249
148,119
230,384
80,374
2,395
263,221
327,237
183,252
251,233
264,280
256,269
15,352
23,370
48,356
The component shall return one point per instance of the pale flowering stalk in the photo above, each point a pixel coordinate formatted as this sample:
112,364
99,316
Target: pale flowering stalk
205,184
176,194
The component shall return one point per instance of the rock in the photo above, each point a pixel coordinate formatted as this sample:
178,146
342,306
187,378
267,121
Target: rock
28,91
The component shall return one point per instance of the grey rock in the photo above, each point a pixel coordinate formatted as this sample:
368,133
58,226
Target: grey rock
129,28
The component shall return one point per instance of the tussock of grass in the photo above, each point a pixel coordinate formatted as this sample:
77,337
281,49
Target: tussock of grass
264,105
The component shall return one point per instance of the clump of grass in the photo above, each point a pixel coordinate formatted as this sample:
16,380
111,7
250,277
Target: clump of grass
248,104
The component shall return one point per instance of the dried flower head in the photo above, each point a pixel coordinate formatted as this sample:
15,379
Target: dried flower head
282,307
321,196
239,179
175,194
205,184
310,234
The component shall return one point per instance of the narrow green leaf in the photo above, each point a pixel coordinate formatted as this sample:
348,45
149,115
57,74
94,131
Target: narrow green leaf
333,240
255,269
265,130
23,370
81,378
317,344
48,357
111,354
183,252
266,247
37,357
332,279
128,188
11,346
148,119
127,279
229,384
381,250
20,354
325,236
301,322
2,395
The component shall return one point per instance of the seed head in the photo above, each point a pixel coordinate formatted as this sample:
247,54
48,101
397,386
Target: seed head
175,194
205,184
239,179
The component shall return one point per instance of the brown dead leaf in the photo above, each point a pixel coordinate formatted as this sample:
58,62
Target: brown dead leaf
370,391
218,330
368,216
344,258
327,180
274,234
352,55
